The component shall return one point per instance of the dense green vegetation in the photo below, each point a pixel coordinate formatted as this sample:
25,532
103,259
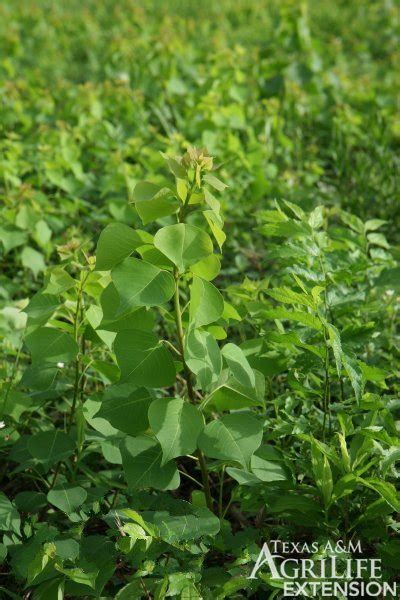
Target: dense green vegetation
199,292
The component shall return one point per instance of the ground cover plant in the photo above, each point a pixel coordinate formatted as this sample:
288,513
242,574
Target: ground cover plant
199,294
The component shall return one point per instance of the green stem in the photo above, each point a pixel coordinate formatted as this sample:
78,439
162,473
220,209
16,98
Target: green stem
327,385
184,209
190,390
56,472
77,388
12,376
205,479
326,390
181,341
77,362
181,338
221,492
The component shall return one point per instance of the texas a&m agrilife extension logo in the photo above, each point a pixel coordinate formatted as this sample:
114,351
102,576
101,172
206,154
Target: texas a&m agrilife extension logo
323,570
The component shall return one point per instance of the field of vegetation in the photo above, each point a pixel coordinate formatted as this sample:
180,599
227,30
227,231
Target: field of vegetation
199,292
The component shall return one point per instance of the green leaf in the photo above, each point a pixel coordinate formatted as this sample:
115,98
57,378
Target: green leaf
389,279
183,244
90,409
373,224
206,302
39,376
288,296
14,403
33,260
334,337
230,394
153,202
232,438
316,217
175,167
67,498
40,308
207,268
153,256
354,373
11,237
96,564
135,318
40,561
322,473
42,234
344,452
116,242
215,183
177,425
186,523
126,407
298,507
30,502
215,223
378,239
268,464
131,590
344,486
143,360
391,457
243,477
386,490
79,575
48,345
57,281
50,446
289,229
144,190
238,365
280,313
138,519
140,283
141,459
203,357
371,373
9,516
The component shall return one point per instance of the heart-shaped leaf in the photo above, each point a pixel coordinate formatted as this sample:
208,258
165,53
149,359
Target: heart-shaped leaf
126,408
203,357
177,425
233,438
50,446
49,345
141,459
183,244
116,242
140,283
143,360
67,498
206,302
238,364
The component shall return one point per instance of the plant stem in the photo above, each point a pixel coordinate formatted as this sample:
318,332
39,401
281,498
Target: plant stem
204,477
56,472
327,385
190,390
181,340
326,390
77,361
181,337
221,492
11,380
77,389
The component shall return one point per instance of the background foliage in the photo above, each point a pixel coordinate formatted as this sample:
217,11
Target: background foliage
297,104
